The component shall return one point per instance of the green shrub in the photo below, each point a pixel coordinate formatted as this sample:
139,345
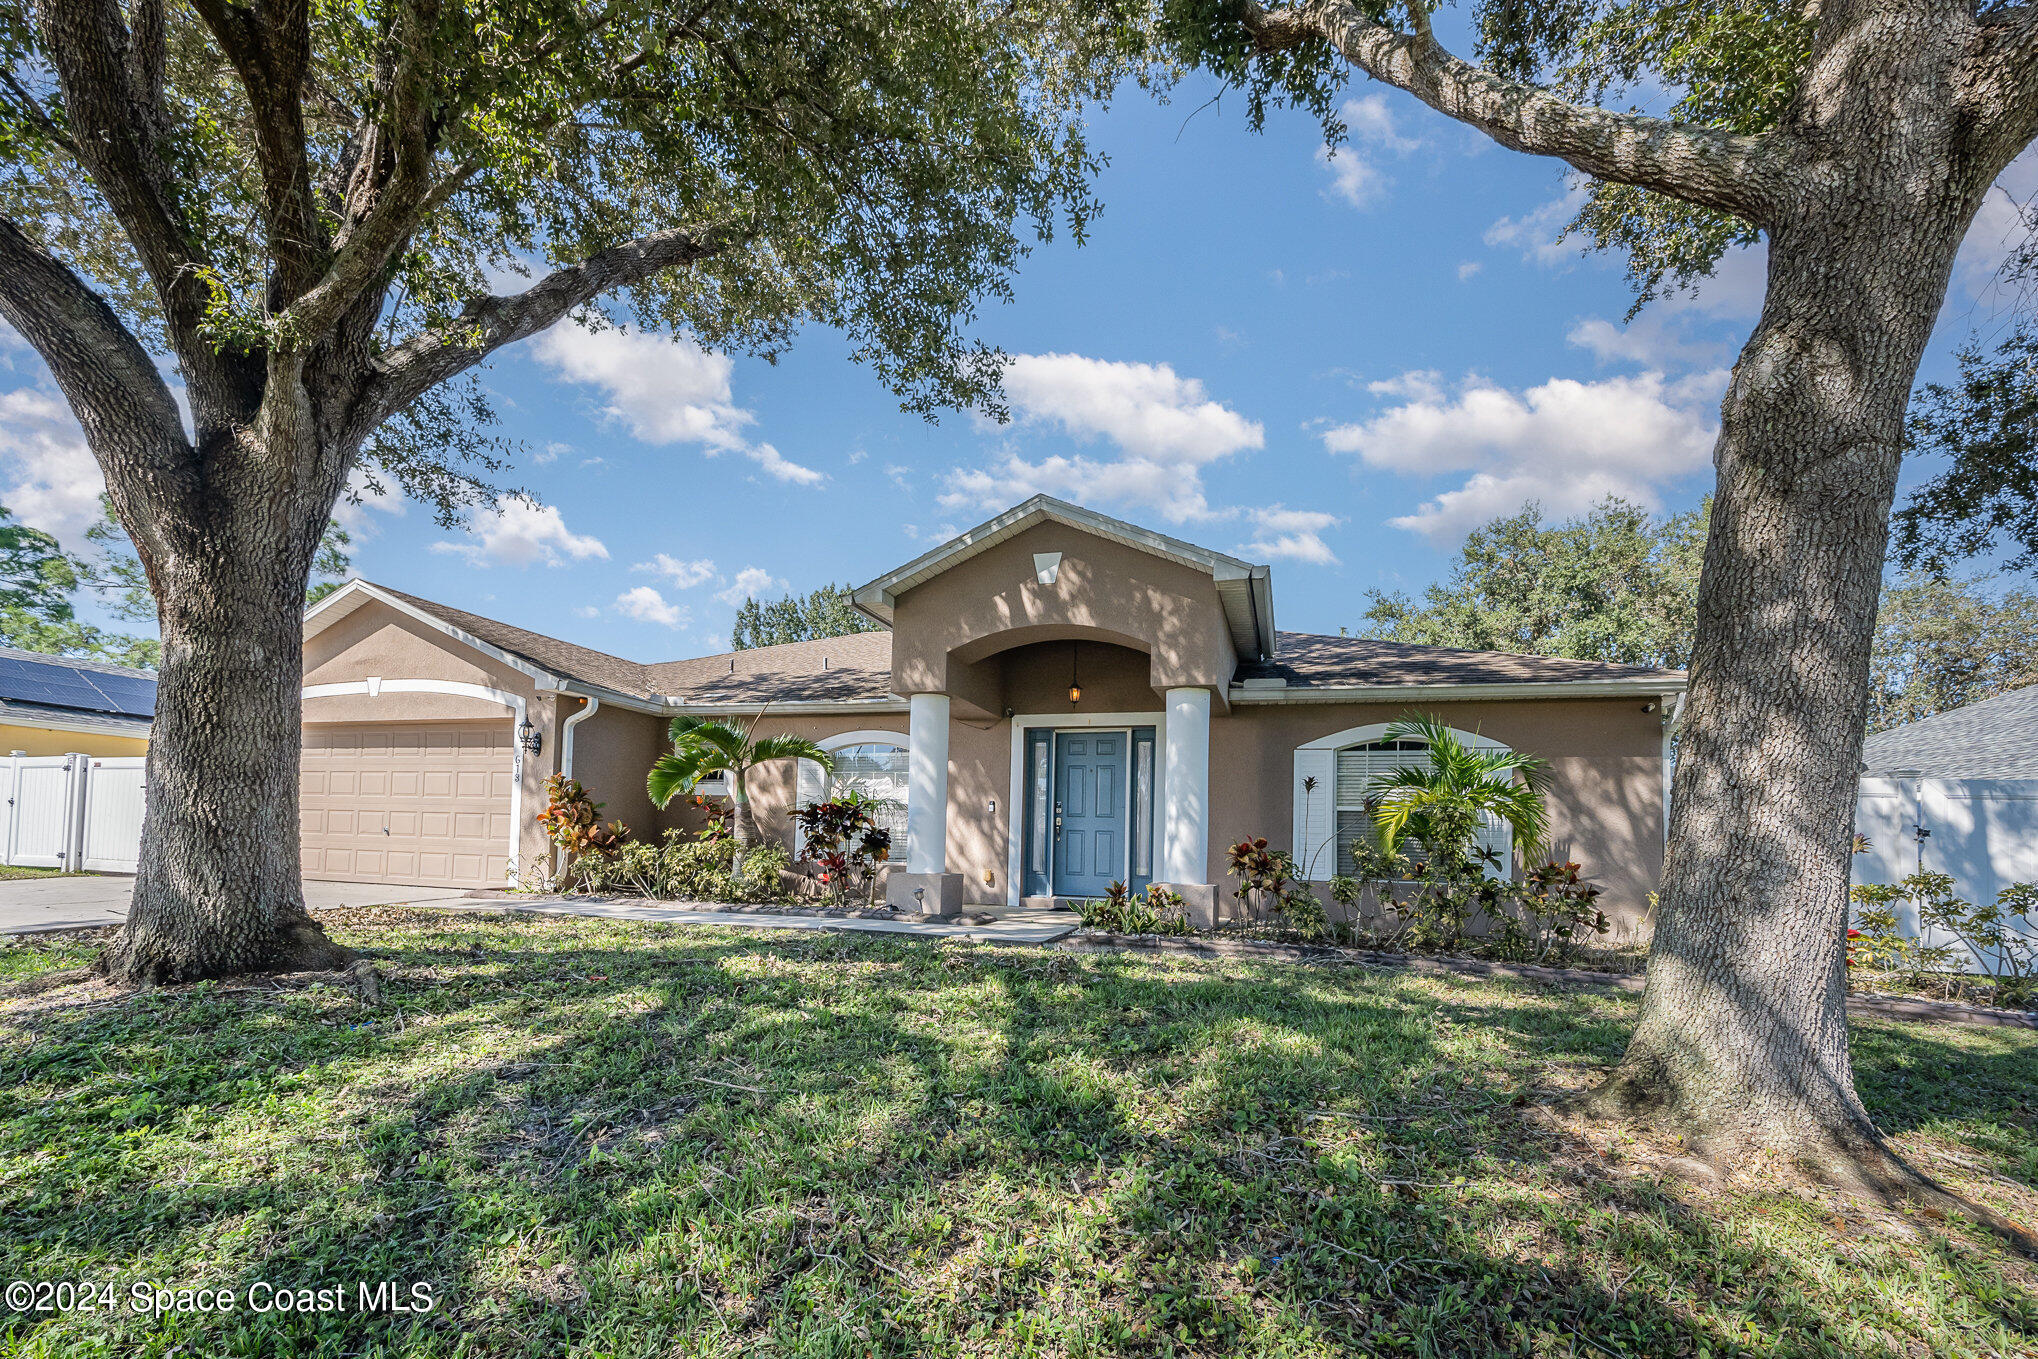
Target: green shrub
1122,911
1304,914
1998,936
1428,904
690,867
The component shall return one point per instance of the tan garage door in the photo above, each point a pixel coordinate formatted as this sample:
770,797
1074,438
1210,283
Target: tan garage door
407,802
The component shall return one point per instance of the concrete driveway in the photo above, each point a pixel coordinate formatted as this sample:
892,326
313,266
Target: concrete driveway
83,900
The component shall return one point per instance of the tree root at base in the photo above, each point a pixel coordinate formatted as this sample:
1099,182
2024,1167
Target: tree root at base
297,945
1853,1158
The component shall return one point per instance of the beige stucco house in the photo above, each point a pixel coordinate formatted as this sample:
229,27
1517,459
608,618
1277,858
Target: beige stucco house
1058,699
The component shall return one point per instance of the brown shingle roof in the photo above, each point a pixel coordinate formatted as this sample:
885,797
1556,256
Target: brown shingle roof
830,670
857,667
1314,660
547,653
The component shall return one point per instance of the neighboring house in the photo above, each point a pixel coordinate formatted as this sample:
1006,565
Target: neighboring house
1969,780
1059,699
50,705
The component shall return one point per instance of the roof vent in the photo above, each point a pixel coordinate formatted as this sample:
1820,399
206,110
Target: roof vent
824,662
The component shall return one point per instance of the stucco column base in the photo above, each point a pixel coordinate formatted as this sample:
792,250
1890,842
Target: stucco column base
942,893
1199,902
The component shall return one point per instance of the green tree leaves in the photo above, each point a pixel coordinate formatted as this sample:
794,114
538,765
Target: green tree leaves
1615,584
1986,422
825,612
1943,643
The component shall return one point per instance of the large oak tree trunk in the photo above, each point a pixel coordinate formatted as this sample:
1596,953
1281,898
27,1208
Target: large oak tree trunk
1742,1038
218,891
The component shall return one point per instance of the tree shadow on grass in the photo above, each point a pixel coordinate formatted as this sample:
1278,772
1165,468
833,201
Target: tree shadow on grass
679,1140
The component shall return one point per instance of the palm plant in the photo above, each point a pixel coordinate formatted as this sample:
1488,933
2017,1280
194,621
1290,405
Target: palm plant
1442,803
703,747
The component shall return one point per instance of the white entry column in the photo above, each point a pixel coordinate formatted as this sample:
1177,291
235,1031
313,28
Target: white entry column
1186,788
927,784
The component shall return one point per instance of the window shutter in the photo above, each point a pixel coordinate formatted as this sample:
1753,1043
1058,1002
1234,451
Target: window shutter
1315,809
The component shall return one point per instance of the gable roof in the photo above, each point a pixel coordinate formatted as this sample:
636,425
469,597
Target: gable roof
1996,738
853,667
856,668
1246,591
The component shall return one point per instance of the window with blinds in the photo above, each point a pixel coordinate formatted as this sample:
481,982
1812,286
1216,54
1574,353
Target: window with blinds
1357,767
878,772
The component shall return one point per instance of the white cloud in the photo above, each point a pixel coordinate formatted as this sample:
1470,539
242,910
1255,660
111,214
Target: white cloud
586,611
646,605
516,532
1535,233
1165,427
1699,327
1651,340
1419,384
1354,178
1565,443
685,575
751,580
664,391
780,468
1732,292
1295,534
550,452
52,481
1373,131
1468,269
1370,120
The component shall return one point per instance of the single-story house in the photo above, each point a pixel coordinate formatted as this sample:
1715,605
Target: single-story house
1057,698
52,705
1954,793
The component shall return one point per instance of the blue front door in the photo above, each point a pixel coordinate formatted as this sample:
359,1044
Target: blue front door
1089,792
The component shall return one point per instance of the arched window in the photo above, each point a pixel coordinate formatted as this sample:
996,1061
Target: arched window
876,771
1332,793
873,764
1357,767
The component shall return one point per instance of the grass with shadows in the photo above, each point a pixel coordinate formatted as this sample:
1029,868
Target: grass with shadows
610,1138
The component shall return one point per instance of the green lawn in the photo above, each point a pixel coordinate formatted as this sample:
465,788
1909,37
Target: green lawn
600,1138
9,871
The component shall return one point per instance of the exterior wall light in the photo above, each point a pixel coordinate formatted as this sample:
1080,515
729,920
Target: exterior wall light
1075,689
528,737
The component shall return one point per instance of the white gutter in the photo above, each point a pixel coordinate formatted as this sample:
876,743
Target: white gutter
1456,693
788,707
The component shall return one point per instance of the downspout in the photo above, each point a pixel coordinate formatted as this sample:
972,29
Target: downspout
1673,712
590,706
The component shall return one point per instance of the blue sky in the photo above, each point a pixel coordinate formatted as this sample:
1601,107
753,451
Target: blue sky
1334,365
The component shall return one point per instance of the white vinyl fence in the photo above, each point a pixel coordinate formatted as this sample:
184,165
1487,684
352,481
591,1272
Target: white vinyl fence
1982,833
74,812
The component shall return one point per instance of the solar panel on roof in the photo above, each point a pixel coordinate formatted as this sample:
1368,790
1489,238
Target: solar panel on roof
126,693
59,685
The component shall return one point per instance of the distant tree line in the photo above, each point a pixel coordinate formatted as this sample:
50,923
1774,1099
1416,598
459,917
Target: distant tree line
41,586
825,612
1617,584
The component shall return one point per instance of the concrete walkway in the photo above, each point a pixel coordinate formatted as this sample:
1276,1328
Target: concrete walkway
1010,926
81,901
